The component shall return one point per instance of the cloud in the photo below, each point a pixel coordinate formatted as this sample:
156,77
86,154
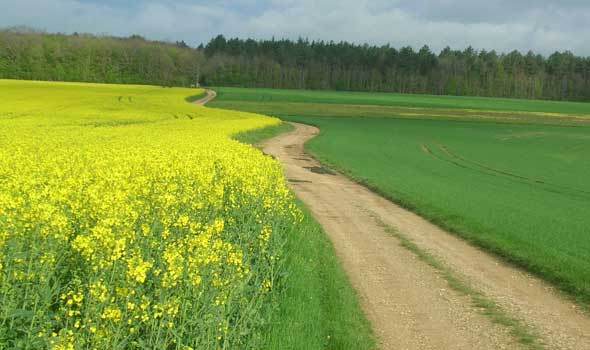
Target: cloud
540,25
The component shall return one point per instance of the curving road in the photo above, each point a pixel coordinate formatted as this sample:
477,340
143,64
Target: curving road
210,95
408,302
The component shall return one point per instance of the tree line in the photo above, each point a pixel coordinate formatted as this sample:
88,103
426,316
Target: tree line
34,55
345,66
293,64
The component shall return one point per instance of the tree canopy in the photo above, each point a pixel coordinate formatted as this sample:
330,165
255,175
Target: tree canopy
297,64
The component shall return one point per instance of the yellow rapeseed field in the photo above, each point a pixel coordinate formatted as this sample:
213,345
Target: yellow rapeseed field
129,219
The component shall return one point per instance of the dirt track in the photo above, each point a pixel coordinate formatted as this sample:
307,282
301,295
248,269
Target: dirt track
408,303
210,95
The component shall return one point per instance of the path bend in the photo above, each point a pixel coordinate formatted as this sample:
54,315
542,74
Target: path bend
205,99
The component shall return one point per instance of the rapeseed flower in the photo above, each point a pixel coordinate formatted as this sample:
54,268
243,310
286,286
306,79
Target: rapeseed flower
128,223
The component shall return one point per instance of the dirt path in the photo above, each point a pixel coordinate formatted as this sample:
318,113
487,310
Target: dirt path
409,304
210,95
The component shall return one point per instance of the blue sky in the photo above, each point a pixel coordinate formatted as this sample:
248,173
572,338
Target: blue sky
541,25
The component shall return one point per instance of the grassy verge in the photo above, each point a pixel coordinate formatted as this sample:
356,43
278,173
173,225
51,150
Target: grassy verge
316,307
486,306
254,136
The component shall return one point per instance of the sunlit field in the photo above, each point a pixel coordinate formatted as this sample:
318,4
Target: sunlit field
132,219
126,212
509,175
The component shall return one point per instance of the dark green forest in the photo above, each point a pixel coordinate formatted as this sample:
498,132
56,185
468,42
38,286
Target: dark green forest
300,64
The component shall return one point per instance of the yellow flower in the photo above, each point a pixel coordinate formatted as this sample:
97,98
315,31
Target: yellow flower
137,268
111,313
148,214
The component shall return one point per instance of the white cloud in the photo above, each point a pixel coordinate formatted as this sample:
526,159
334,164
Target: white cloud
543,25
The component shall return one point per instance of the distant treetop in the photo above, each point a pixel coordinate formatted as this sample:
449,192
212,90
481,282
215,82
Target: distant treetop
26,53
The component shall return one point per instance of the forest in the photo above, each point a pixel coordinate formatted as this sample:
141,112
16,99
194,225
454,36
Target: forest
293,64
33,55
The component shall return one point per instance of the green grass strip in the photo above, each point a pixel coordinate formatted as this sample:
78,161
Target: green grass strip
317,308
255,136
485,305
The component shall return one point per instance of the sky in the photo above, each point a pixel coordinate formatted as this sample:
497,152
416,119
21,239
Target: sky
543,26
